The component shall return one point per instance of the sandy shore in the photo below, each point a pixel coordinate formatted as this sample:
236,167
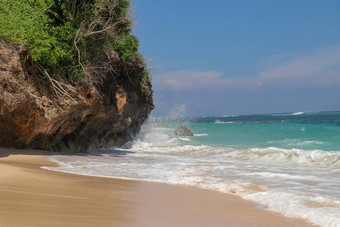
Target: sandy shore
31,196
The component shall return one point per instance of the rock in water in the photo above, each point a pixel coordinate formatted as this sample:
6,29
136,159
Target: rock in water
183,131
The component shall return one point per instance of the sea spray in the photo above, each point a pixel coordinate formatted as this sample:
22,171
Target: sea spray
294,172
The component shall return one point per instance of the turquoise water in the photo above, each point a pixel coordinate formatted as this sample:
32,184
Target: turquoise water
289,163
319,131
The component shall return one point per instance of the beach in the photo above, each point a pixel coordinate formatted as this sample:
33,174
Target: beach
31,196
201,114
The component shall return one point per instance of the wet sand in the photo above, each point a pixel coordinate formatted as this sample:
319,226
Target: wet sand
31,196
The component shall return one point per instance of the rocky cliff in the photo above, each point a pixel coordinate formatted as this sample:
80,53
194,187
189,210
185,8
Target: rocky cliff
32,116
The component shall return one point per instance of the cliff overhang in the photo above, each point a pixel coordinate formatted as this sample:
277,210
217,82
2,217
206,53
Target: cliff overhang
31,116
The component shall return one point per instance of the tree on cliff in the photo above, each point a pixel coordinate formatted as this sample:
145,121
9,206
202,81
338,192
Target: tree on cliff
71,77
72,40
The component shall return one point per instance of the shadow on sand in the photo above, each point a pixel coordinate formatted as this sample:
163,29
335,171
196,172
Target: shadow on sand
112,152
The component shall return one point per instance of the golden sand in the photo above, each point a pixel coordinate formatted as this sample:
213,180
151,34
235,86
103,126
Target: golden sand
31,196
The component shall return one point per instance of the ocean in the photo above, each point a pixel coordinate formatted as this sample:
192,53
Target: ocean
288,163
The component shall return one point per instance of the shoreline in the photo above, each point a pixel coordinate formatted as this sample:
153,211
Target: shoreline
32,196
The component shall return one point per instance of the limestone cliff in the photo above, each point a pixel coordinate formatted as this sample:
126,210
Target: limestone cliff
87,118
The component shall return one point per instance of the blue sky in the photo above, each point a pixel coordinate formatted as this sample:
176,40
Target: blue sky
226,57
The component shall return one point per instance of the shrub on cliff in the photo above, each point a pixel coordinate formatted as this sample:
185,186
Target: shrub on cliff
76,40
26,24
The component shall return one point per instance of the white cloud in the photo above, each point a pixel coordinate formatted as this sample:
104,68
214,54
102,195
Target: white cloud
318,69
186,79
311,68
172,83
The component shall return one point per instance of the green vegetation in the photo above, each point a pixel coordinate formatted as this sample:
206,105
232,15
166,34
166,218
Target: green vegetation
127,47
72,39
24,23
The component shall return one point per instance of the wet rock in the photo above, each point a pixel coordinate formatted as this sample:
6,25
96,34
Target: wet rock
183,131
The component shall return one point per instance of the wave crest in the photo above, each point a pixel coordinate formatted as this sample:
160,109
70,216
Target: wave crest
226,122
297,113
306,157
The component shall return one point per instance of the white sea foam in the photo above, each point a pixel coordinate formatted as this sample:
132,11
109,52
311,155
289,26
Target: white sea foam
297,113
226,122
201,134
287,114
325,212
295,182
296,142
303,157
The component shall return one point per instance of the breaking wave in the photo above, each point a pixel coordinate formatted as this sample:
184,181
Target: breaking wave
226,122
297,113
296,182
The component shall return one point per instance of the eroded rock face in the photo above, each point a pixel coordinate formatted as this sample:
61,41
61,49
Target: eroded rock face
182,130
32,117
